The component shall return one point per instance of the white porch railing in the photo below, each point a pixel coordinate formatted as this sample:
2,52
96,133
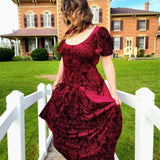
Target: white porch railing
12,121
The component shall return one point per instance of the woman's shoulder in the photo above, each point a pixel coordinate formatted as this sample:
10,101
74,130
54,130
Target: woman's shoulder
102,30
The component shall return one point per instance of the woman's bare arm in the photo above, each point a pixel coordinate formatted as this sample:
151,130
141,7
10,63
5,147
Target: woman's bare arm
109,71
59,74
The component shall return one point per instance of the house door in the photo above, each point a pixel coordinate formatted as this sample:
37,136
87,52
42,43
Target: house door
129,44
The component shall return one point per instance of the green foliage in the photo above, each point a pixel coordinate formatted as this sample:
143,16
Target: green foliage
126,57
140,53
21,58
6,54
40,54
147,55
56,54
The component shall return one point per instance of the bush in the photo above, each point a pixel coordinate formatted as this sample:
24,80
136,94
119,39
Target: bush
40,54
6,54
140,53
147,55
126,57
56,54
21,58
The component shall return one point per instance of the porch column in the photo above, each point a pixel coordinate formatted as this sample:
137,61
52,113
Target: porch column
155,44
17,47
54,40
2,42
10,45
36,42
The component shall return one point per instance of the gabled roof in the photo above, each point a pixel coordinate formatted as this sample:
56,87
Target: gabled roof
32,32
130,11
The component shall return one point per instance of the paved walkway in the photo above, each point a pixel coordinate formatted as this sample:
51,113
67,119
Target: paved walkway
53,154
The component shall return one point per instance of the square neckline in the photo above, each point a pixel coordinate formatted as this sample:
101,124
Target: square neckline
83,40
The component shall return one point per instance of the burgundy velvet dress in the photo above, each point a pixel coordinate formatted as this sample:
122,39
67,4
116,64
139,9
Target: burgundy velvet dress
84,118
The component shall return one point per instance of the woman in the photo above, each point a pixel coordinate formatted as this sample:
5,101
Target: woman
83,115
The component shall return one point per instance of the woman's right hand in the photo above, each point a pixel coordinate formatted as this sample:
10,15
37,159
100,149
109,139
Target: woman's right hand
55,85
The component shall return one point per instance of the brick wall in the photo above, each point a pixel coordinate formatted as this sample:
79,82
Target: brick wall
130,30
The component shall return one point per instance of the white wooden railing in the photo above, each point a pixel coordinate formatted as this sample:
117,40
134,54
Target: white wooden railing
12,121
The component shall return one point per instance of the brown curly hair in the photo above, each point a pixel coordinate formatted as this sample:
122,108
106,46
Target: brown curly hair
70,9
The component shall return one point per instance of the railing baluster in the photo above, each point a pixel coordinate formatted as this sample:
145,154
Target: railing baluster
16,134
42,123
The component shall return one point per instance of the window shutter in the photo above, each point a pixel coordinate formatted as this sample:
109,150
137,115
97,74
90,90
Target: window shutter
35,21
137,42
113,43
52,20
147,38
121,42
41,18
137,24
112,25
100,15
147,25
26,44
42,42
25,21
121,25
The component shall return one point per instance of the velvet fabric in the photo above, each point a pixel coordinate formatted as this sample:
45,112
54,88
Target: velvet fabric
84,118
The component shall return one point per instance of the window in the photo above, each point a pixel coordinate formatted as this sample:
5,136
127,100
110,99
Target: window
142,25
141,42
47,19
30,20
95,12
116,43
117,25
48,45
31,44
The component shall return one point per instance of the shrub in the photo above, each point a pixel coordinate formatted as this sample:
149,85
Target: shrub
126,57
140,53
21,58
147,55
6,54
40,54
56,54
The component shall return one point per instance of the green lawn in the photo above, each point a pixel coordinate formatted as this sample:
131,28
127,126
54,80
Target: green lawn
130,75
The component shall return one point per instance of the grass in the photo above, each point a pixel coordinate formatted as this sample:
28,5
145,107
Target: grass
130,75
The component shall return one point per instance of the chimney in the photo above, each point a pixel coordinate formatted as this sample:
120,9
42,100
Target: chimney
146,6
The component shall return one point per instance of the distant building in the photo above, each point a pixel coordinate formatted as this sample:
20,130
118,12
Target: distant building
41,26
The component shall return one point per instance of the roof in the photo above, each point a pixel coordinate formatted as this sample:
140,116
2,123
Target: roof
130,11
32,32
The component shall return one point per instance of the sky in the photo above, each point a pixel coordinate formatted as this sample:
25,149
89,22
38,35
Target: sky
9,12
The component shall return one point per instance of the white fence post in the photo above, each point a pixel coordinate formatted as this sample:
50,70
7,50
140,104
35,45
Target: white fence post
42,123
16,134
49,87
144,128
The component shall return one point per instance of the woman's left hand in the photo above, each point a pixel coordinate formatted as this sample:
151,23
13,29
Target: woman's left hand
116,98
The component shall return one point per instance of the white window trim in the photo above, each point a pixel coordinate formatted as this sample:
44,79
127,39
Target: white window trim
30,20
144,48
93,9
119,44
47,26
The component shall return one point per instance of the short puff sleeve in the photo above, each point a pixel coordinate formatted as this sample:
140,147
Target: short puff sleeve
60,47
104,42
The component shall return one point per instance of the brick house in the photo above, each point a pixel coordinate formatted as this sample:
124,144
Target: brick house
41,26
